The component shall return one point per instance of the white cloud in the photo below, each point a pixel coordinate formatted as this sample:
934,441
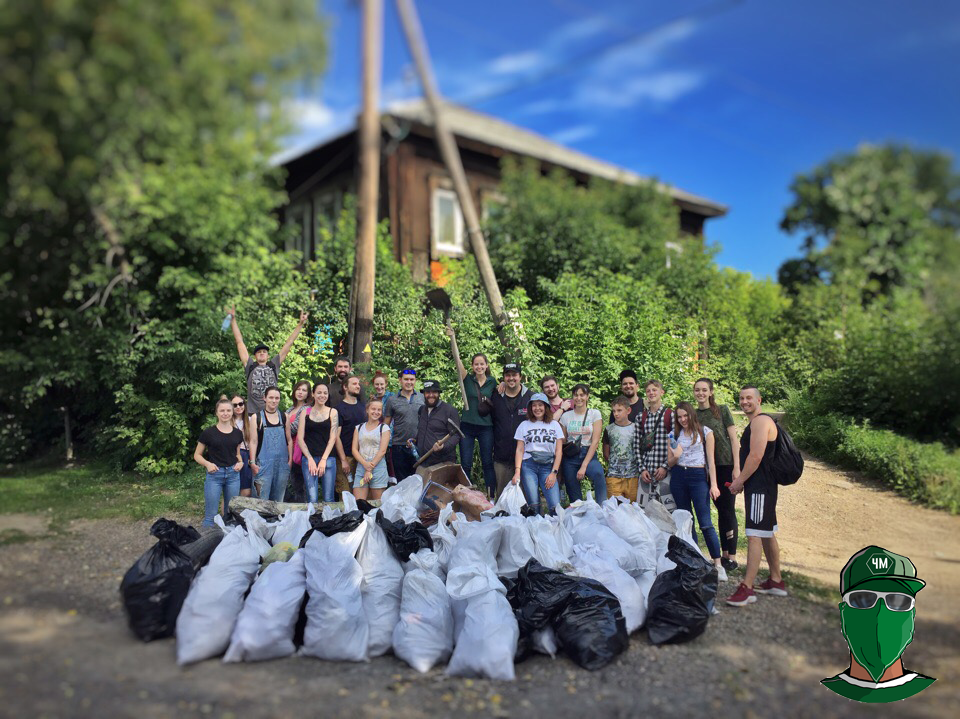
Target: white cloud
579,30
540,107
308,114
516,63
573,134
657,87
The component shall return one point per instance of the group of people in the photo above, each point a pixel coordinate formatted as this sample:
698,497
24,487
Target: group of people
685,456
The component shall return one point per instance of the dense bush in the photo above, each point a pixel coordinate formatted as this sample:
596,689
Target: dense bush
924,471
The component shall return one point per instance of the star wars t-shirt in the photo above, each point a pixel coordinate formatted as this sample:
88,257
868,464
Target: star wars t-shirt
539,437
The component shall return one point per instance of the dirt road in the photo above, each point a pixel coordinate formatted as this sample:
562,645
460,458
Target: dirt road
65,650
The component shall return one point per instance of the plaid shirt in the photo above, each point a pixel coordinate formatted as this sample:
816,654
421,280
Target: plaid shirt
657,456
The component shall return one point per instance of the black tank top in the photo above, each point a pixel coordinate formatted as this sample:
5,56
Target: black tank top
768,451
316,434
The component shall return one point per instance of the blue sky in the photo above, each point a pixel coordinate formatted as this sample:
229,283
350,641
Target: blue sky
729,100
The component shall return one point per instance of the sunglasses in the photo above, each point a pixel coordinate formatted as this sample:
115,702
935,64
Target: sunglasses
238,404
409,372
866,598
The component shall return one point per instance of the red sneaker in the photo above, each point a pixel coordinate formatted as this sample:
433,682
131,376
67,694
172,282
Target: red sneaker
742,597
776,589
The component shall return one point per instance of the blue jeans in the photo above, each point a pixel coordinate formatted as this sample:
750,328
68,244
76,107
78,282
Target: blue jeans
690,484
274,474
483,435
225,481
533,478
329,478
594,473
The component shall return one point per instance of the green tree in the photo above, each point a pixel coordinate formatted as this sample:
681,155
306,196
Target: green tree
136,188
873,220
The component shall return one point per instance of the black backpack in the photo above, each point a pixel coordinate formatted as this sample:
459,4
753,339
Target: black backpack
787,465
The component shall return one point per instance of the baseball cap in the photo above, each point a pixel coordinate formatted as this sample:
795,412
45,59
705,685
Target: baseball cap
539,397
875,564
628,373
511,367
259,347
430,385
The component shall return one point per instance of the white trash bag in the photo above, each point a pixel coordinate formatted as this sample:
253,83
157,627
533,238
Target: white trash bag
443,534
337,626
477,544
215,599
428,561
293,525
348,540
266,624
516,545
546,547
630,524
487,642
588,532
424,635
382,583
399,502
511,500
589,561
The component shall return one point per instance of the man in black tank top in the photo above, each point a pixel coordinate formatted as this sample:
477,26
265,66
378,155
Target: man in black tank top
759,489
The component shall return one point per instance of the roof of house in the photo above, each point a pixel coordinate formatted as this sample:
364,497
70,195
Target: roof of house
473,125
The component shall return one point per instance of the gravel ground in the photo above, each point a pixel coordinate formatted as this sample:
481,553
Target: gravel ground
65,650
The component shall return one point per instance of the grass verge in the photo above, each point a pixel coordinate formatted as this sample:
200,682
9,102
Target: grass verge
927,472
93,491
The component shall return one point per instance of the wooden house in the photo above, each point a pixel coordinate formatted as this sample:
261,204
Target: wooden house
416,192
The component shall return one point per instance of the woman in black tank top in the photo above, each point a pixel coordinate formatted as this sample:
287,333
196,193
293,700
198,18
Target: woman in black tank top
317,436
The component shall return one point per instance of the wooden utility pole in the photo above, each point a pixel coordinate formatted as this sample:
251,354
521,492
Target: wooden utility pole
365,264
451,158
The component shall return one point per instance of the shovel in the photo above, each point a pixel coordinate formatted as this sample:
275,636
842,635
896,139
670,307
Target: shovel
439,299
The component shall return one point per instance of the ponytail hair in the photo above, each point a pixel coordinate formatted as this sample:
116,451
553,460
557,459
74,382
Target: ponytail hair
713,402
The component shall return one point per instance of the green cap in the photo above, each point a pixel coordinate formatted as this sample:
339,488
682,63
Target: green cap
876,563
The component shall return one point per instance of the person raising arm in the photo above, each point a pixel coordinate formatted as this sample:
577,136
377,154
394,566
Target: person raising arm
262,371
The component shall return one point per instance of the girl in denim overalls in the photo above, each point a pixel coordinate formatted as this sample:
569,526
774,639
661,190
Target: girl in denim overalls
271,448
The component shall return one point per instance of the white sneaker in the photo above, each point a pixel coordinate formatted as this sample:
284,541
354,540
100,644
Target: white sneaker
721,573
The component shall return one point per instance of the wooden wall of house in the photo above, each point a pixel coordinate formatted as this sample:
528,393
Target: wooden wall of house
414,171
410,170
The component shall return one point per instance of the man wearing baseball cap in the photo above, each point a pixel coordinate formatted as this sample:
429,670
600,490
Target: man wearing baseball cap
877,616
509,410
433,426
261,369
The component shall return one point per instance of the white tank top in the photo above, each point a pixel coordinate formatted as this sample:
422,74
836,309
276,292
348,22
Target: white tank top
369,441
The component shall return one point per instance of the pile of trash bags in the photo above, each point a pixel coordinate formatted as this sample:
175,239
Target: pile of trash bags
478,596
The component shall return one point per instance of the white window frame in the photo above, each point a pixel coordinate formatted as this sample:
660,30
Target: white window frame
445,248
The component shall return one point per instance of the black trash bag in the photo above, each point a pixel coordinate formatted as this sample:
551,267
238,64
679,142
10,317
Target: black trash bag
202,549
405,539
538,596
178,534
364,506
681,599
154,588
527,511
344,523
590,628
